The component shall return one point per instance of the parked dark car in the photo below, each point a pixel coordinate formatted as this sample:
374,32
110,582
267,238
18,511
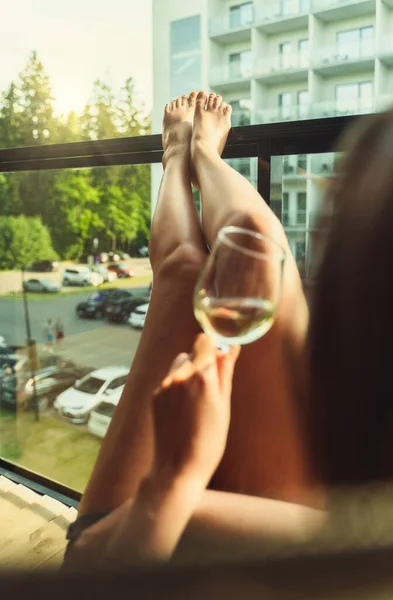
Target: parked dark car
119,310
17,390
44,266
18,361
121,269
96,304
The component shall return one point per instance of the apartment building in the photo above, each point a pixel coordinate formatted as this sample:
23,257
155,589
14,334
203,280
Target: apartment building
275,61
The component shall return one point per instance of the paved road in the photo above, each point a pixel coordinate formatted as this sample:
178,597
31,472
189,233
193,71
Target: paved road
87,342
11,281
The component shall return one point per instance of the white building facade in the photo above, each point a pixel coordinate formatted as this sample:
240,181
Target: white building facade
277,61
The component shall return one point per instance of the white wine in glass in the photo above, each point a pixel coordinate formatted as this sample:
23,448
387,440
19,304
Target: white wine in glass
239,289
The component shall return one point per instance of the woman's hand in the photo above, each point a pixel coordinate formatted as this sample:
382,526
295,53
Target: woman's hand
191,411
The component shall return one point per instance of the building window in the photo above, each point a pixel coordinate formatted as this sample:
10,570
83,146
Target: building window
241,112
301,211
285,51
240,64
241,15
303,49
285,105
354,98
286,7
302,163
186,61
285,209
355,43
304,5
302,105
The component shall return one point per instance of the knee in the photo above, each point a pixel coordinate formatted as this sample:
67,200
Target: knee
260,223
184,263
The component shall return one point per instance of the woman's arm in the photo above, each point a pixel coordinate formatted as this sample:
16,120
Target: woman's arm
196,396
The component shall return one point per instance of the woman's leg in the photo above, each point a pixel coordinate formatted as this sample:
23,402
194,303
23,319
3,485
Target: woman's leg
177,251
265,454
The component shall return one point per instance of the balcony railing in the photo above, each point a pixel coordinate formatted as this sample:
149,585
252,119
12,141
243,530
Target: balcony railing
227,73
320,5
278,64
241,118
228,23
336,54
357,106
281,9
297,112
262,142
297,218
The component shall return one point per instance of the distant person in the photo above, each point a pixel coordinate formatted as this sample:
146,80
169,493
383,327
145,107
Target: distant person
59,332
48,335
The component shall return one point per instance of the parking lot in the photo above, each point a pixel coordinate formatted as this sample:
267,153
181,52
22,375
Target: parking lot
11,281
53,447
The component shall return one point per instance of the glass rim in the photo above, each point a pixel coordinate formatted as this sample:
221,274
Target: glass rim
280,255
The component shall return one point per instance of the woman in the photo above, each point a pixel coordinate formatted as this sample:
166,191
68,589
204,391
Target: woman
265,455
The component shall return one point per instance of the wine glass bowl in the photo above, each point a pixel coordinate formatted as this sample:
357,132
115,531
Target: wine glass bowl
239,288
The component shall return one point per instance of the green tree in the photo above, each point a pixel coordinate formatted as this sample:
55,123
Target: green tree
130,115
75,217
38,124
23,240
10,118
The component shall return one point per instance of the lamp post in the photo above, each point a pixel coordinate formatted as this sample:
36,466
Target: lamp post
31,348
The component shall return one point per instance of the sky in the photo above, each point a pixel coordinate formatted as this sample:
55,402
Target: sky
79,41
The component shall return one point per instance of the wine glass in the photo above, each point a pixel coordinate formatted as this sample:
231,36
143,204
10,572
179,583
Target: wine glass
239,288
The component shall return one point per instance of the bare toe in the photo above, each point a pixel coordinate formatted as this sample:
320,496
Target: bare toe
211,100
167,108
217,101
201,101
184,100
192,99
178,102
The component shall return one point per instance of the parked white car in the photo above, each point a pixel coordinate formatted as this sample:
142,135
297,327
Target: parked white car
41,285
76,403
81,275
138,316
105,273
101,415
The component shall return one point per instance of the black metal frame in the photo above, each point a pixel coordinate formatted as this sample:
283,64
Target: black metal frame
261,141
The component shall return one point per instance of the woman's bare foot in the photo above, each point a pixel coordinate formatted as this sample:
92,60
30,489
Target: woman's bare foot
177,127
212,123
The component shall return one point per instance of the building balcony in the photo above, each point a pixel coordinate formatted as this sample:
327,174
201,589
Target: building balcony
282,15
324,164
385,50
240,118
227,29
335,10
278,69
226,78
294,220
334,60
287,113
384,102
352,107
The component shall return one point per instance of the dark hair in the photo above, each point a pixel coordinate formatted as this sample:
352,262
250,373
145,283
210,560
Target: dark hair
351,327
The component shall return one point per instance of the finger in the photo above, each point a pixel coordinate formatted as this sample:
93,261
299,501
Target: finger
205,353
178,361
225,368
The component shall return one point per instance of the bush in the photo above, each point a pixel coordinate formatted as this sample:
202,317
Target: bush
23,240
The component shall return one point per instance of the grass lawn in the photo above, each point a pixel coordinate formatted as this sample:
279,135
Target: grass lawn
140,280
52,448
